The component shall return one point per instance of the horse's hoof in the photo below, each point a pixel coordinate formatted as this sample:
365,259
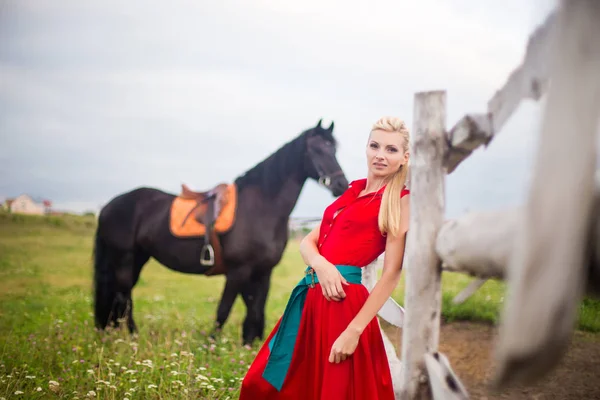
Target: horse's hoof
215,333
250,342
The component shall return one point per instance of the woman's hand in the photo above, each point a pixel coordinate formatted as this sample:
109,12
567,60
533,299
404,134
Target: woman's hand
344,346
330,279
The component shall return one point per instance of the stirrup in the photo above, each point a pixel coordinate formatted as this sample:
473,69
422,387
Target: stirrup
207,248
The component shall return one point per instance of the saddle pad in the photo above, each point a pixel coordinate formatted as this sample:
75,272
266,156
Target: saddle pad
190,227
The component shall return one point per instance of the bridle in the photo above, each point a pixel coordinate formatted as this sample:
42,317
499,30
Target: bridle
325,180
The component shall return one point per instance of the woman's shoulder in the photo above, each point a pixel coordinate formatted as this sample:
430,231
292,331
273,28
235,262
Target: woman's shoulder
406,189
358,184
354,188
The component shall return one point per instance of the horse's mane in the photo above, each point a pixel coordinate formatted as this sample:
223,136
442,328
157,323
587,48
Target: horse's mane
271,173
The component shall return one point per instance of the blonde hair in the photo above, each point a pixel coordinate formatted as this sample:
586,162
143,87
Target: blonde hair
390,209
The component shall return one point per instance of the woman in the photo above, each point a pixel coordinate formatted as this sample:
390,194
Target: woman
328,344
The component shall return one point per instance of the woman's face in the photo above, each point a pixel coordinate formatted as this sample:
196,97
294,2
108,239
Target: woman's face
385,153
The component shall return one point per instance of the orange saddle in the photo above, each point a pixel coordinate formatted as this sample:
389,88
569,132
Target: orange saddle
188,210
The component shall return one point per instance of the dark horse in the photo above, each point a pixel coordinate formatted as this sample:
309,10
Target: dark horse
134,226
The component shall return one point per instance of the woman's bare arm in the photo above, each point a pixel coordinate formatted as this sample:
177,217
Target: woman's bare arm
330,279
308,246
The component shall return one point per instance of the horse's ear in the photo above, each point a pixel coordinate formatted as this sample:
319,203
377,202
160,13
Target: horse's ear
319,123
330,129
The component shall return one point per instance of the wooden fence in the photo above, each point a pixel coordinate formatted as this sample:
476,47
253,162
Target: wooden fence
547,251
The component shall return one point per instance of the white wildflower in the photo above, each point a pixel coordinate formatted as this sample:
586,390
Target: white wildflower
201,377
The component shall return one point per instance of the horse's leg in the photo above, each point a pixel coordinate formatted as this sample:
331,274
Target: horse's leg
255,294
105,261
140,258
234,281
123,285
128,273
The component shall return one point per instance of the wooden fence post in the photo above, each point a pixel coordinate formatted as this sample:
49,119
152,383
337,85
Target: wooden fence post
547,274
422,299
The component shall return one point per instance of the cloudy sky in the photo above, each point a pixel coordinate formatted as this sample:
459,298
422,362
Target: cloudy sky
99,97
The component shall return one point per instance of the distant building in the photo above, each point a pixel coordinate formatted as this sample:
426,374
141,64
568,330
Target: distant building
25,204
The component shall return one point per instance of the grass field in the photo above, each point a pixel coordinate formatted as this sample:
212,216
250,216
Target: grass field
50,349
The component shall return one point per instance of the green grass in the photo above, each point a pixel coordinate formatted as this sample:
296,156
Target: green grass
49,348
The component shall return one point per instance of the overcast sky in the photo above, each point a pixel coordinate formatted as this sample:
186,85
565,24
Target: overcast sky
99,97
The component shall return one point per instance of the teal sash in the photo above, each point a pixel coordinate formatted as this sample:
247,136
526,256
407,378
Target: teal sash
283,342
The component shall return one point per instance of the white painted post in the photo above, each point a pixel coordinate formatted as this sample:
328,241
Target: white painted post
369,278
423,267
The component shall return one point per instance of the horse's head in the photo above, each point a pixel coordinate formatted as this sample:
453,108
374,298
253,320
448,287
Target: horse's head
321,163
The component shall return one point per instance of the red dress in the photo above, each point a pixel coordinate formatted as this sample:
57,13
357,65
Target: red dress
351,237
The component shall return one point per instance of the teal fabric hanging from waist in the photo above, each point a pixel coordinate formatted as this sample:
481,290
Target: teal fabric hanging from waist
283,341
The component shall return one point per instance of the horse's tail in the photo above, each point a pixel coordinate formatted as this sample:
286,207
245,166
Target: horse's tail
104,282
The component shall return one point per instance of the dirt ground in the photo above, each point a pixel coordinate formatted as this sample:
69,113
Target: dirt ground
469,348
